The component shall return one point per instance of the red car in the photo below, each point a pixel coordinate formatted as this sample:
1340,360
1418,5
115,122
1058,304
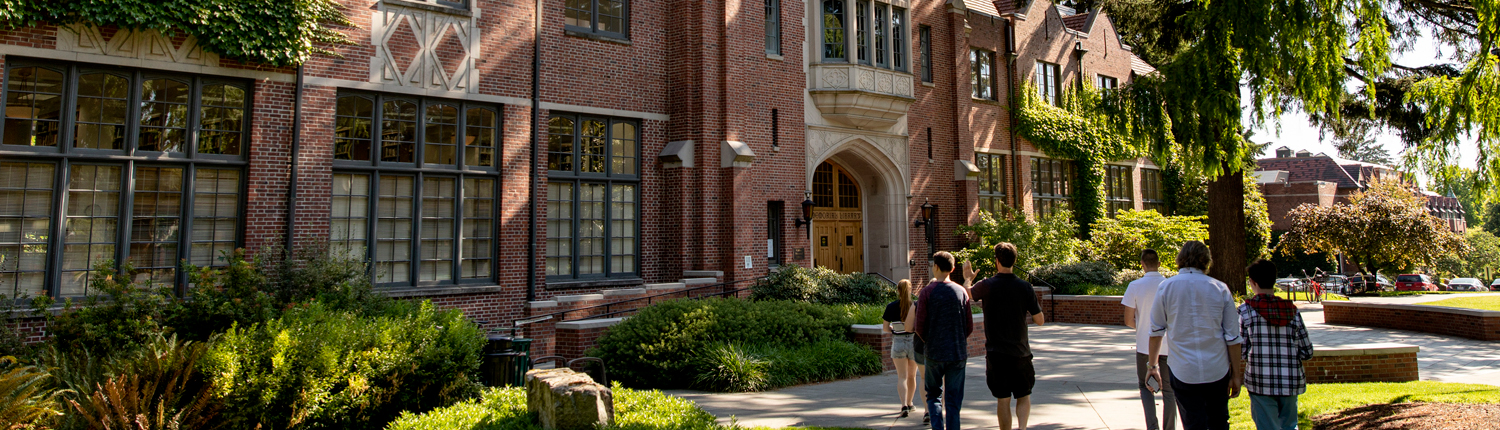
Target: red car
1415,283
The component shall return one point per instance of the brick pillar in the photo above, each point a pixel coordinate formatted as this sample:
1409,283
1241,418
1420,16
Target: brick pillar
543,334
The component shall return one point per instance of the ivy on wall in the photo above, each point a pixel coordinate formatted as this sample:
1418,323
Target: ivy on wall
276,32
1087,129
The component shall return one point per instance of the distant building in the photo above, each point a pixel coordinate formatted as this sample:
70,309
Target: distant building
1289,180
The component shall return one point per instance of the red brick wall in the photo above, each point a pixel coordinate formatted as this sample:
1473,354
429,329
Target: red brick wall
1401,367
1472,324
1097,310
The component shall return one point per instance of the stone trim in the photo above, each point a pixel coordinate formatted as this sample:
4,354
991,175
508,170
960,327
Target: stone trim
1365,349
605,111
677,153
83,57
589,324
439,291
318,81
703,273
735,154
570,299
963,170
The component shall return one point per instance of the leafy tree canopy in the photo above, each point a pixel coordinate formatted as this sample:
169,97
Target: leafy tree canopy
1121,239
1468,187
1384,229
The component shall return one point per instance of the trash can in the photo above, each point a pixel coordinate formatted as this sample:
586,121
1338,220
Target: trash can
506,360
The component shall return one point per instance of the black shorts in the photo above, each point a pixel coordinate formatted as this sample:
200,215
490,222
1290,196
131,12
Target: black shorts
1007,376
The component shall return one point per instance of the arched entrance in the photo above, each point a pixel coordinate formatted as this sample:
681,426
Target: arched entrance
838,220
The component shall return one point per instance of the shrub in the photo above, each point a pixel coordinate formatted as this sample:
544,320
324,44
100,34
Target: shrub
156,388
660,346
319,368
823,286
1041,242
863,314
1085,272
505,409
827,360
1092,290
1126,276
1119,240
727,367
121,316
25,396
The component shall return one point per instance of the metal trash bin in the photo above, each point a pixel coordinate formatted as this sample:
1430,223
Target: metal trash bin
506,360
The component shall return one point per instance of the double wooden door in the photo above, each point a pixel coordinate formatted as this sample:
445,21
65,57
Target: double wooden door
840,246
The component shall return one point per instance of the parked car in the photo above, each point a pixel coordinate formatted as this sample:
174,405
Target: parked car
1415,283
1362,283
1289,284
1335,284
1495,286
1466,284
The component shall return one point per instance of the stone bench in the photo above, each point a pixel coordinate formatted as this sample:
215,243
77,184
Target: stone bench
1373,362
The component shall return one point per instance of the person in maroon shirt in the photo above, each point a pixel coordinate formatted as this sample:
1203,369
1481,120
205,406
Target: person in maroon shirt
944,323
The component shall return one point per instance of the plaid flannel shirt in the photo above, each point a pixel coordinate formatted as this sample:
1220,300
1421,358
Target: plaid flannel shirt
1274,354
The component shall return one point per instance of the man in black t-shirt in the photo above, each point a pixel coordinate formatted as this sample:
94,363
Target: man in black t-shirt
1007,302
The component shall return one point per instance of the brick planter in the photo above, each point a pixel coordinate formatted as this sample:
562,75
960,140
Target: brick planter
1469,323
1382,362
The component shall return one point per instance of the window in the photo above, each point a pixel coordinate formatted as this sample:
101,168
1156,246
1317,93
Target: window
1051,185
602,17
414,188
991,182
982,73
898,38
775,213
924,40
834,45
773,27
1107,83
1047,83
144,168
1119,193
1151,191
862,30
881,20
593,197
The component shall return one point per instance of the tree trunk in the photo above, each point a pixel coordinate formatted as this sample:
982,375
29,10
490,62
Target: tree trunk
1226,229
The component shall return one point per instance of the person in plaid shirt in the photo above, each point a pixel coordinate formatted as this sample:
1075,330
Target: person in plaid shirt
1276,344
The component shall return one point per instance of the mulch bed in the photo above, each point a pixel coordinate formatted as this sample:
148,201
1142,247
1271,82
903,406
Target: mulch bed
1412,416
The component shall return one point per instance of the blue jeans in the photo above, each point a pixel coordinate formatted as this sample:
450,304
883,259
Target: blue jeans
1273,412
945,376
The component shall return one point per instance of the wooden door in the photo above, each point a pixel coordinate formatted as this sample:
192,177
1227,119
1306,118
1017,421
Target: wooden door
838,222
852,249
825,244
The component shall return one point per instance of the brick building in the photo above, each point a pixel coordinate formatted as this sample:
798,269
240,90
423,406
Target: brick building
670,138
1292,179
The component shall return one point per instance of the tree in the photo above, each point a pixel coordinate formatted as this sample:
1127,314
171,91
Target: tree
1483,258
1383,229
1047,240
1492,219
1465,184
1121,239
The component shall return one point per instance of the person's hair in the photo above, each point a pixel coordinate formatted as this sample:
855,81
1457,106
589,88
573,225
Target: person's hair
944,261
1263,272
1149,257
1194,254
903,296
1005,254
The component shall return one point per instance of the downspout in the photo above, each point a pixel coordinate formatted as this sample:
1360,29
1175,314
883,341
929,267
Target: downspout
291,193
1015,163
536,110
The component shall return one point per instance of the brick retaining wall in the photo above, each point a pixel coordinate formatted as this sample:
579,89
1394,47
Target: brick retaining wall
1385,362
1469,323
873,336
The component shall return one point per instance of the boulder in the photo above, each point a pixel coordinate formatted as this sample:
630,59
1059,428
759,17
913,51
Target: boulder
567,400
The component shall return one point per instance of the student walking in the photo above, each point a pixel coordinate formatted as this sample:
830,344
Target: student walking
1008,301
944,323
1139,297
1196,314
898,316
1276,344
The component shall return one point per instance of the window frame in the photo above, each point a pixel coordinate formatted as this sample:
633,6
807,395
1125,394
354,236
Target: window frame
992,176
419,170
1151,191
1106,82
576,179
593,27
900,26
66,157
924,45
1049,82
773,27
1119,189
979,59
1060,176
843,44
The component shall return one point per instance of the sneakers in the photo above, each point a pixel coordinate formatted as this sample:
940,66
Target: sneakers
905,411
926,418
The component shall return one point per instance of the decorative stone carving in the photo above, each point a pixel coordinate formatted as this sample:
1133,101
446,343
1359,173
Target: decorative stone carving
141,44
883,84
824,142
420,66
867,81
875,99
836,78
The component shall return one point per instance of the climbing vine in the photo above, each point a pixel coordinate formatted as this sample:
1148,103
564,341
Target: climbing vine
1091,128
278,33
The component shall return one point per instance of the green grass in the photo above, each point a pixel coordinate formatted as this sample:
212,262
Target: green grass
1302,297
1487,303
1324,398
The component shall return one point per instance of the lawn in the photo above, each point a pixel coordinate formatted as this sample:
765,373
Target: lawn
1324,398
1488,303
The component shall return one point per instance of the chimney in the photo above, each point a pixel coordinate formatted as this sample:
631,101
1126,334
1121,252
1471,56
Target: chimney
1283,152
1304,154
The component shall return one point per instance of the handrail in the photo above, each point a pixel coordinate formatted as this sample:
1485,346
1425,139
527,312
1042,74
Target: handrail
888,280
651,299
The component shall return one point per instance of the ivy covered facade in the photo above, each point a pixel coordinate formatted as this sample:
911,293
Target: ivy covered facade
650,143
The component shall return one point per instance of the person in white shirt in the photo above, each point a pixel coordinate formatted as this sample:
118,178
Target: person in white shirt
1139,297
1197,315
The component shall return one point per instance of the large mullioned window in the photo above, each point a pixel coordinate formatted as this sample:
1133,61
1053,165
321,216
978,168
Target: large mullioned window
1119,191
1051,186
1049,82
593,197
879,30
1151,191
111,165
991,181
414,188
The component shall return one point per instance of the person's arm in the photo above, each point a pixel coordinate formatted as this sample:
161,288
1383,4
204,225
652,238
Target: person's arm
1039,319
1159,313
1129,302
885,327
1230,321
1245,334
1236,371
968,316
1152,358
1129,317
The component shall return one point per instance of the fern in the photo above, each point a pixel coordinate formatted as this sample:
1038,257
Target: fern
26,399
157,389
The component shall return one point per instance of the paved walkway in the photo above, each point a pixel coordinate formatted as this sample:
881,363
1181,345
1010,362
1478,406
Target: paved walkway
1086,380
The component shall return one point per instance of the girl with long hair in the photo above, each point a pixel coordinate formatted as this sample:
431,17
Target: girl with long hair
898,318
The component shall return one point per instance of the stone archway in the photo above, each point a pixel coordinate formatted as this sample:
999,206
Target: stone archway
883,189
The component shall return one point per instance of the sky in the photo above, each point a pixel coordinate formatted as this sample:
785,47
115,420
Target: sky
1296,133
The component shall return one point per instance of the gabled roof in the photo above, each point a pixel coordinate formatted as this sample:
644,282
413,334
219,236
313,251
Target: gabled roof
1079,22
1140,66
1009,6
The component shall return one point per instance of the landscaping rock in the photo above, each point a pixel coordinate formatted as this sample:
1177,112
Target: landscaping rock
567,400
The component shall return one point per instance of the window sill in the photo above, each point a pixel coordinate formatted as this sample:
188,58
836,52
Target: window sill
928,84
595,283
442,290
598,37
775,57
984,101
430,7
